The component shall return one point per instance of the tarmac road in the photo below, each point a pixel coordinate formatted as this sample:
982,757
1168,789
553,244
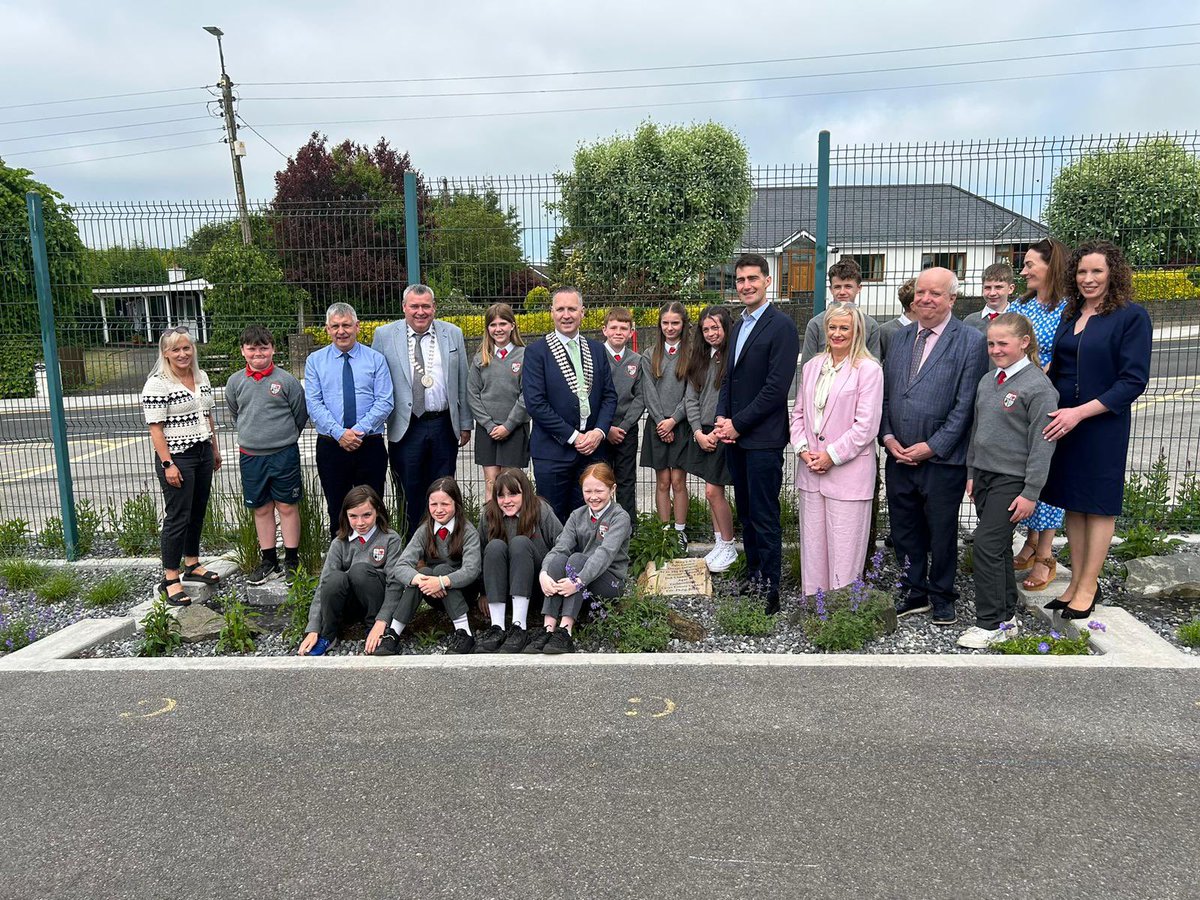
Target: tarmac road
542,782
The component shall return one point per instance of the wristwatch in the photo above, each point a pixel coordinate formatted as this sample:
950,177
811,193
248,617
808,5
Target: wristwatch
166,463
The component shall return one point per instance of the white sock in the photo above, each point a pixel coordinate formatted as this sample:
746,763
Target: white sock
679,526
397,626
463,624
520,611
726,541
497,613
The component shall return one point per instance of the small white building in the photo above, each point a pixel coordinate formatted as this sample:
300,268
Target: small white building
148,310
892,231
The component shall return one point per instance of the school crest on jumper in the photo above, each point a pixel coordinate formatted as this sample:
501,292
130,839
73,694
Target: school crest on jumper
516,367
631,369
601,531
1009,399
276,387
378,553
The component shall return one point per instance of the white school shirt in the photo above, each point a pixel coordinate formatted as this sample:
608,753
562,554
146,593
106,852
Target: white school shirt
437,397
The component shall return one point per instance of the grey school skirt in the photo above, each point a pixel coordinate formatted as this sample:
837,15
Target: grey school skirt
512,452
657,455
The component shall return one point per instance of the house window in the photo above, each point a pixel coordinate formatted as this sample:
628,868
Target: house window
719,279
955,262
1013,254
870,263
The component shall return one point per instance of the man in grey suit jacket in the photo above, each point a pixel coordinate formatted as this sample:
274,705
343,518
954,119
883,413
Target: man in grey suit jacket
889,329
430,418
930,375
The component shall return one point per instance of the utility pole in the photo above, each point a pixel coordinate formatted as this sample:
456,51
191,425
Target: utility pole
236,148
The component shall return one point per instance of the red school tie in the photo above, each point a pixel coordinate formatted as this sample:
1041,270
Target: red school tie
503,353
442,532
362,540
992,315
1001,377
616,357
671,351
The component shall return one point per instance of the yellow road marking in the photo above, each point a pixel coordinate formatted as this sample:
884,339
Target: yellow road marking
168,706
667,702
1174,395
107,447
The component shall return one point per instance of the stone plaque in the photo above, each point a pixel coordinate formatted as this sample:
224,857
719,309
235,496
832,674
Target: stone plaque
688,577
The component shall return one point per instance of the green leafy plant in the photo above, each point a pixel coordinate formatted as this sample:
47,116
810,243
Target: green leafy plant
136,525
1147,498
1189,633
295,608
109,590
635,623
215,533
314,528
1142,540
1052,644
237,634
651,543
23,574
87,522
246,552
848,618
14,537
160,631
61,584
745,616
699,521
17,630
1185,515
428,639
792,564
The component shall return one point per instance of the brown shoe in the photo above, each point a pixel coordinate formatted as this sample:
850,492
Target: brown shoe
1024,565
1052,567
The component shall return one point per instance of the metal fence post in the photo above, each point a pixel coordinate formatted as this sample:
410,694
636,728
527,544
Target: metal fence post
411,248
820,265
58,419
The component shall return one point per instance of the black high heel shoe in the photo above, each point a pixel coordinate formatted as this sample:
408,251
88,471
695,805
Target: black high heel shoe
1055,604
1068,613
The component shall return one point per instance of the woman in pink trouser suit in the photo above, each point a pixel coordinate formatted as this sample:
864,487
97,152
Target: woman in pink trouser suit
835,424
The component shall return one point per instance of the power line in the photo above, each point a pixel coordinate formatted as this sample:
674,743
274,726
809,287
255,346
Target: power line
264,140
728,81
201,87
746,62
33,137
76,162
124,140
618,107
104,112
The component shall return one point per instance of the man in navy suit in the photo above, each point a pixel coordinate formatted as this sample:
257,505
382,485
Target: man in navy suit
931,375
569,393
752,419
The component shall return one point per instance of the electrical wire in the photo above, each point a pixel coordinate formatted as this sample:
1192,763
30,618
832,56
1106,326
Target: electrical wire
104,112
33,137
728,81
124,140
264,140
76,162
201,87
746,62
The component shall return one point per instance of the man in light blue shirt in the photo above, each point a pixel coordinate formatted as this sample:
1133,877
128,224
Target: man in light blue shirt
348,390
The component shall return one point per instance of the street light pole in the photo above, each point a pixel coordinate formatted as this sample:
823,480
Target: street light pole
231,136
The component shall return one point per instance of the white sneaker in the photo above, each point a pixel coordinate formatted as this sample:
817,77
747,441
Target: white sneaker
712,554
976,638
725,556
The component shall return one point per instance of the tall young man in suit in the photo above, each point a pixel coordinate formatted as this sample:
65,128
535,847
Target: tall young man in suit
752,419
570,397
930,377
430,417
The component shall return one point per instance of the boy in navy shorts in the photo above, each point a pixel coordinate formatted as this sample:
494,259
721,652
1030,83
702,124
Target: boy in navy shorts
267,405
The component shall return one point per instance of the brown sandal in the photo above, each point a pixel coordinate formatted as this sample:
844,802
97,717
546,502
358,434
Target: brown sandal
1051,564
1024,565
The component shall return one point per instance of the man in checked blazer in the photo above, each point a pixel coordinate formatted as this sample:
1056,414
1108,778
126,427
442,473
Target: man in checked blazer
753,419
430,417
567,435
930,377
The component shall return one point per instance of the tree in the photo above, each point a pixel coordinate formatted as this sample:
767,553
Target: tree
339,222
478,246
19,347
127,266
1143,197
651,212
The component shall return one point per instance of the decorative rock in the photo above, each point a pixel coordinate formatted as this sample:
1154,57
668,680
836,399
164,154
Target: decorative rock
198,623
685,577
686,629
271,594
1175,577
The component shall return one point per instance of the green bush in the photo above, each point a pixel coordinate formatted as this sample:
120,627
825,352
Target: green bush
87,522
635,623
745,616
17,359
537,300
14,537
111,589
1189,634
23,574
850,617
16,631
1138,541
294,609
1053,644
651,542
136,526
1163,284
61,585
314,527
237,634
160,634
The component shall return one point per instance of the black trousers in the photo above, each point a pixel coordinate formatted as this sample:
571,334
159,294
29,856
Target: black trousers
995,583
757,483
340,470
428,451
923,506
350,596
186,504
624,460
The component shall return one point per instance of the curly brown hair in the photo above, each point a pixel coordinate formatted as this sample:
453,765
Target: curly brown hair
1120,278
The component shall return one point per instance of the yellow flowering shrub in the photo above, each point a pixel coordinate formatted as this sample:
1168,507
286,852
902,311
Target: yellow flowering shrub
1164,284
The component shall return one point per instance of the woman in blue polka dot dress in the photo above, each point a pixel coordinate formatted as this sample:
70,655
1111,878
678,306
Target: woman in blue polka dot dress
1045,273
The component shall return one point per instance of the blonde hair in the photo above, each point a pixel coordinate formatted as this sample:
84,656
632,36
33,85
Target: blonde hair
1021,327
167,341
858,339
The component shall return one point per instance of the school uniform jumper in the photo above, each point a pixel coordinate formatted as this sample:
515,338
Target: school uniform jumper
357,582
627,368
269,413
1006,458
701,410
494,396
511,564
462,575
597,553
664,400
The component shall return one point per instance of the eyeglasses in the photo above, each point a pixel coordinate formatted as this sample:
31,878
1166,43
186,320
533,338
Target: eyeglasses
178,329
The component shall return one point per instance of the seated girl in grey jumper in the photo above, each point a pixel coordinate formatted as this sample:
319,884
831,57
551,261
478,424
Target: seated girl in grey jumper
1008,460
355,583
591,554
440,564
516,531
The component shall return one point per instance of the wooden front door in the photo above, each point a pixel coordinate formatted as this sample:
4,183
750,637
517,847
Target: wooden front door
800,265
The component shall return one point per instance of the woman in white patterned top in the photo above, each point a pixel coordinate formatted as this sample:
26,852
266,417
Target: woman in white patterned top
177,402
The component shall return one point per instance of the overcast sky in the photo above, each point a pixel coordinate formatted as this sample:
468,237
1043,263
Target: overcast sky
69,49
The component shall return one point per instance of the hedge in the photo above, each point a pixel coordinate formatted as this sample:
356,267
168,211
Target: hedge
1166,284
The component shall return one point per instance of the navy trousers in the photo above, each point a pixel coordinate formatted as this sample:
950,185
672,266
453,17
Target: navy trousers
428,451
757,483
340,470
923,506
557,481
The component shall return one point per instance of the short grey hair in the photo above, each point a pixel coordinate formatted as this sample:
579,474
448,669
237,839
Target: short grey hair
567,289
953,284
418,289
340,310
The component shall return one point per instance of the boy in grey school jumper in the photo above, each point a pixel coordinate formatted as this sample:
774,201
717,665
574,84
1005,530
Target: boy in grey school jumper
268,409
1007,462
626,366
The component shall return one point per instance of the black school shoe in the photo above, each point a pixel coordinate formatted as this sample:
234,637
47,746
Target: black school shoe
389,644
491,640
460,642
560,642
538,636
515,639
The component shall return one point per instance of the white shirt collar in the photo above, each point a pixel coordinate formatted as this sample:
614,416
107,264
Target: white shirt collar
712,351
987,311
449,526
412,331
603,510
612,352
1012,370
566,340
366,537
669,347
507,348
905,320
757,314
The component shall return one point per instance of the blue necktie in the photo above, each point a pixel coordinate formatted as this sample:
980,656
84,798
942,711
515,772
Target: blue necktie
349,407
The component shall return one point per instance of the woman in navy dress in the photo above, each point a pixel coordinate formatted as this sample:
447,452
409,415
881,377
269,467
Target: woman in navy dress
1101,364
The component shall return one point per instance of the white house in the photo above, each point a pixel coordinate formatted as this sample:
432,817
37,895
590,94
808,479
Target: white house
149,310
893,231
